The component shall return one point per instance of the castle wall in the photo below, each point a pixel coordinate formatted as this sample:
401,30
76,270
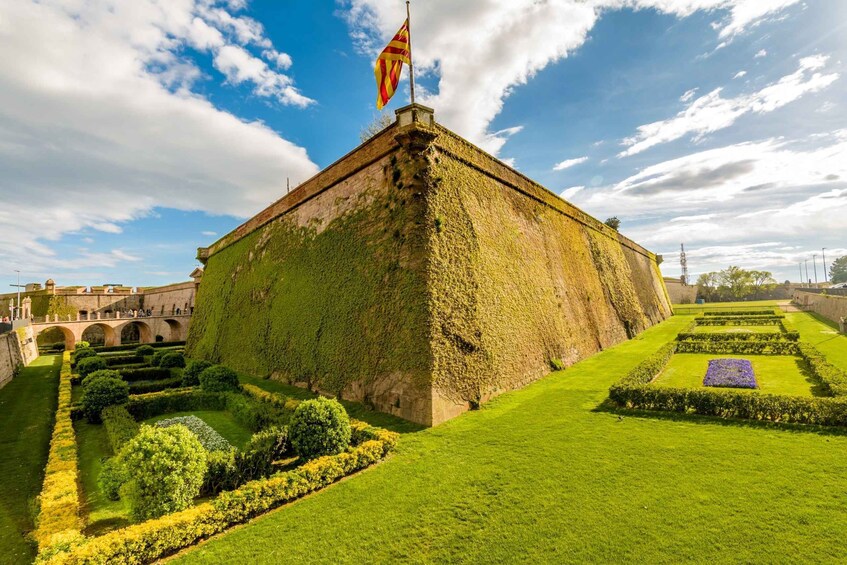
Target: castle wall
17,349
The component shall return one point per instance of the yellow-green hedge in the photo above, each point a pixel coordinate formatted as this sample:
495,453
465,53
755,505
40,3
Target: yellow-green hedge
154,539
58,520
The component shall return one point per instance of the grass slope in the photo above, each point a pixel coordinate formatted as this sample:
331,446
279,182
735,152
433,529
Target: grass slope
823,334
540,475
775,374
27,408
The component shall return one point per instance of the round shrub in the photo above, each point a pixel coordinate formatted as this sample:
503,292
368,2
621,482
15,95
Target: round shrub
101,374
145,350
218,378
112,476
318,427
168,465
172,360
89,365
82,345
157,357
101,393
191,374
84,353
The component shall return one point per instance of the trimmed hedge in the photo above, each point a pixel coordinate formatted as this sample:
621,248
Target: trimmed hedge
833,378
191,374
740,336
218,378
131,346
319,426
89,365
755,321
58,520
230,469
144,406
143,387
145,350
145,374
120,426
172,360
732,313
647,370
123,360
103,392
154,539
739,347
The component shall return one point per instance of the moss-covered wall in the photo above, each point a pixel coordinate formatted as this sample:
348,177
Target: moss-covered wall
331,295
422,276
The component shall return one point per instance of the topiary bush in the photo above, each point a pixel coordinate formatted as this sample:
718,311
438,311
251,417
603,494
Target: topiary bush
112,476
89,365
168,465
218,378
101,374
145,350
101,393
157,357
318,427
84,353
191,375
82,345
172,360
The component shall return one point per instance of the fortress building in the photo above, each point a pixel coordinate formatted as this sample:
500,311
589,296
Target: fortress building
422,276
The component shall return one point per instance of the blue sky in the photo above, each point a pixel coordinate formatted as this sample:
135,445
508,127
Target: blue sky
132,133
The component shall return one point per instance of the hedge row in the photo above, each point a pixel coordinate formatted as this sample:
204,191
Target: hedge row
742,313
738,321
770,316
58,519
145,374
120,426
154,539
727,403
144,406
112,360
133,346
739,336
833,378
739,347
144,387
647,370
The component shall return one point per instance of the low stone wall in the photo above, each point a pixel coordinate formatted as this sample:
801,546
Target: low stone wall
830,307
17,348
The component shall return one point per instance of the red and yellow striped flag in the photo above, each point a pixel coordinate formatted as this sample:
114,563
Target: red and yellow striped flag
390,63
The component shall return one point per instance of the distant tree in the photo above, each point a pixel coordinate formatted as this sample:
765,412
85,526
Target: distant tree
838,270
379,123
613,222
736,282
707,286
761,281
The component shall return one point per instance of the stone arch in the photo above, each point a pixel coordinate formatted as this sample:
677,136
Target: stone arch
110,336
70,338
175,330
145,334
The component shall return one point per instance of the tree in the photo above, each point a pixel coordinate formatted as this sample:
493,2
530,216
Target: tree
838,270
736,282
707,286
761,281
613,222
379,123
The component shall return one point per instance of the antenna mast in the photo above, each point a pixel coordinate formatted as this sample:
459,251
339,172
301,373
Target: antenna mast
683,262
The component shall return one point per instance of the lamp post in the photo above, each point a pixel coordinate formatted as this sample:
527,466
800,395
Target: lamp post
808,280
823,252
18,308
801,274
815,267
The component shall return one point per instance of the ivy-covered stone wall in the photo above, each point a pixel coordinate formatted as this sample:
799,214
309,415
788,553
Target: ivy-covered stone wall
422,276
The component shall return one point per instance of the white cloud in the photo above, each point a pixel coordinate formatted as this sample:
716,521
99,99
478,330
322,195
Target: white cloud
761,53
100,125
739,74
485,49
568,163
209,233
569,193
281,61
711,112
688,95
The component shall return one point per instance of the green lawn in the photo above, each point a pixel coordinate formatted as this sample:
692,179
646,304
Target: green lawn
221,421
729,307
102,514
823,334
736,329
27,409
542,475
775,374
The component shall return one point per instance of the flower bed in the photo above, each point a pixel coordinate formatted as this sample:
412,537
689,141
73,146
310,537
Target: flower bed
209,438
730,373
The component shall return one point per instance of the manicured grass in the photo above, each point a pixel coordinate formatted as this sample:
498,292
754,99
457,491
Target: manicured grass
775,374
685,309
542,475
736,329
823,334
102,514
220,420
27,411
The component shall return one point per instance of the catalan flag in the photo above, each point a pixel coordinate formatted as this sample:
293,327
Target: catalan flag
390,63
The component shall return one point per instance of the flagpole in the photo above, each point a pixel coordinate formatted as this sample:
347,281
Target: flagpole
411,67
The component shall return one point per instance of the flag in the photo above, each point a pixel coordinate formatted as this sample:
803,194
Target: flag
390,63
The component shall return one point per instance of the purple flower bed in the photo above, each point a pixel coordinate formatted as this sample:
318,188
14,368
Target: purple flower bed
734,373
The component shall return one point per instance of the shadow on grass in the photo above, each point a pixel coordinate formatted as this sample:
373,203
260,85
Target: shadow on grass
821,319
610,407
818,388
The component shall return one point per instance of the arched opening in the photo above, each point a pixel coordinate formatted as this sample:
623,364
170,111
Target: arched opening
136,332
174,331
100,334
53,335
